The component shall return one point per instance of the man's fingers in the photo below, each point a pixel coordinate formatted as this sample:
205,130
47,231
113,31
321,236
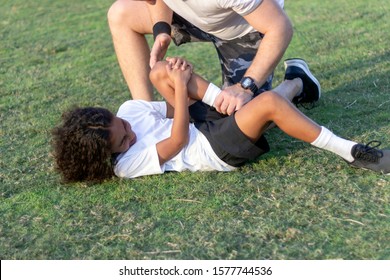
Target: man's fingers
152,62
231,109
217,103
224,107
153,58
239,104
227,105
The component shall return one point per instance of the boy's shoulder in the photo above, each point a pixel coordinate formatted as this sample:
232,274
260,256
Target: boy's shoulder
141,106
134,103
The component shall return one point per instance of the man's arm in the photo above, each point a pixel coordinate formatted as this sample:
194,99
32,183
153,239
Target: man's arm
269,19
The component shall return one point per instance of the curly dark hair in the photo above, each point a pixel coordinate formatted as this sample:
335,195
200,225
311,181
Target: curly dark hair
81,144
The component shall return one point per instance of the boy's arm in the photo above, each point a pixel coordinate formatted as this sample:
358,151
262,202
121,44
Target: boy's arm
170,111
171,146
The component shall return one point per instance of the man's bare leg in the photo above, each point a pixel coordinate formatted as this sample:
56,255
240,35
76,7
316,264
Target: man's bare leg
129,21
289,88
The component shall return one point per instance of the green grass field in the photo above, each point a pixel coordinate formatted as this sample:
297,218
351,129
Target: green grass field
296,202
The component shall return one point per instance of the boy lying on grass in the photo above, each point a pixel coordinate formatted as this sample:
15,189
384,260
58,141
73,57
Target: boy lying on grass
187,133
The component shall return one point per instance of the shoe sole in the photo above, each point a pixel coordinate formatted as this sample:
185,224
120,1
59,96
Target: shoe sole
300,63
295,60
367,169
384,171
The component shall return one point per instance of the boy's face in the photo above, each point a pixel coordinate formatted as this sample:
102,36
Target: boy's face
122,137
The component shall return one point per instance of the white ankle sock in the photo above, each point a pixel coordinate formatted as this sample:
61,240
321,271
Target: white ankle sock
331,142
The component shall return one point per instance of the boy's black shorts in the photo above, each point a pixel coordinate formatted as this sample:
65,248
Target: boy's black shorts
224,135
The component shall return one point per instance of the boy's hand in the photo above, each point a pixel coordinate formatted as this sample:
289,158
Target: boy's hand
179,62
179,70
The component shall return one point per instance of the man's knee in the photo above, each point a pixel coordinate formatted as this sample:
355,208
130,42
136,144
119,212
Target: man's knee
118,11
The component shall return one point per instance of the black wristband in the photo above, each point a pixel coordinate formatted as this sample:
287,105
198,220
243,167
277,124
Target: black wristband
161,27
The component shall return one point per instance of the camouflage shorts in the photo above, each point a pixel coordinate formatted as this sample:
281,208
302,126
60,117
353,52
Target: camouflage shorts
234,55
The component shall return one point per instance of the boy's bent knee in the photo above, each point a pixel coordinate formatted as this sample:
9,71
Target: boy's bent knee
269,98
158,72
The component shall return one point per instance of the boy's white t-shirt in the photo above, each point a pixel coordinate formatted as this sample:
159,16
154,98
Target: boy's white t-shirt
149,122
221,18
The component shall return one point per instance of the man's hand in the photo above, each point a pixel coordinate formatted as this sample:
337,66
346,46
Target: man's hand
231,99
159,48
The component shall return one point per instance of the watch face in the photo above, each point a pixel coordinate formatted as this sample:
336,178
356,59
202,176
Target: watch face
246,83
249,83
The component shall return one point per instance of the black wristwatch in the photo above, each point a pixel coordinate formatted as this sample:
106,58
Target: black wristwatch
249,83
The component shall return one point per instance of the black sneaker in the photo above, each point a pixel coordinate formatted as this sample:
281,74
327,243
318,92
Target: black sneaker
370,158
297,68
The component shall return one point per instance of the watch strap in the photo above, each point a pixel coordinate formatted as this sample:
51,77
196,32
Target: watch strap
252,87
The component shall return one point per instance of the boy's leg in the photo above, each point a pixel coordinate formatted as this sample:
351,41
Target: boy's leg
129,21
270,106
197,86
254,117
299,81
